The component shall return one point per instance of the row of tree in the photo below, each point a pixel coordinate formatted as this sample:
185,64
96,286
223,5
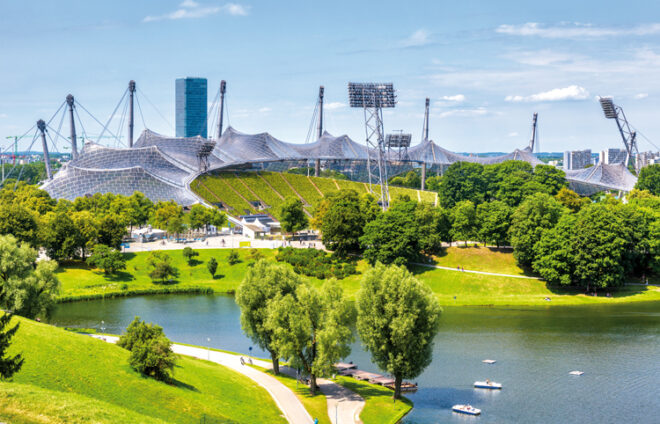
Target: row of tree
71,229
309,326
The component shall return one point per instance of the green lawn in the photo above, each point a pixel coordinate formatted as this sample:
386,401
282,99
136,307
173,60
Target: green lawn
69,377
379,407
80,282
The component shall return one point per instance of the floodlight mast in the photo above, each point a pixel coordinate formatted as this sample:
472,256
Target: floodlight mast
317,162
532,141
372,98
223,89
628,136
72,123
425,127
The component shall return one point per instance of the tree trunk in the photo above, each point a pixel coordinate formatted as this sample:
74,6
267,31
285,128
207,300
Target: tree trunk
397,386
276,363
312,384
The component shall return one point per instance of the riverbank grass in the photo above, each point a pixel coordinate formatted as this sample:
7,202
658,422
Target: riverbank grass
452,288
70,377
379,406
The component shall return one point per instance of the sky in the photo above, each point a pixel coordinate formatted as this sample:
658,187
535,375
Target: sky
486,65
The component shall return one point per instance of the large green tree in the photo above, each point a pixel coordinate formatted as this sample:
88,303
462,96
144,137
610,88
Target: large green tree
393,237
168,216
649,179
434,227
311,328
536,214
292,215
17,220
494,219
151,351
60,237
108,259
27,287
464,221
88,229
462,181
398,318
112,229
341,221
263,283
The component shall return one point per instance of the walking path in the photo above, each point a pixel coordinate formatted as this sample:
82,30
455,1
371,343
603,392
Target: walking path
342,403
475,272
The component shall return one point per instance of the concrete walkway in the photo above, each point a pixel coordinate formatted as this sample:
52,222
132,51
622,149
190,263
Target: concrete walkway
344,406
475,272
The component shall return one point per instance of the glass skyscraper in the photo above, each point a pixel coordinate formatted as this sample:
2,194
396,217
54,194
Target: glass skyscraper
191,104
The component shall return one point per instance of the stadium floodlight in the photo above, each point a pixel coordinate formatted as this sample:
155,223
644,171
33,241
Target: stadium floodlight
608,107
372,98
397,140
371,95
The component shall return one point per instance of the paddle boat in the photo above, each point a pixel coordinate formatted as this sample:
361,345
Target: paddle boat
489,361
576,372
487,385
466,409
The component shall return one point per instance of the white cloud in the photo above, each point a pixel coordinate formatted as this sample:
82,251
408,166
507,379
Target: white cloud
641,96
190,9
575,30
456,98
421,37
542,57
334,105
3,116
513,134
265,110
572,92
480,111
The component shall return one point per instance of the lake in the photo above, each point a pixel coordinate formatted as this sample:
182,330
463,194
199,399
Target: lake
617,346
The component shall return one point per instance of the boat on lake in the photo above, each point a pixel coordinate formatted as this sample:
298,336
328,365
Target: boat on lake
487,385
489,361
466,409
576,372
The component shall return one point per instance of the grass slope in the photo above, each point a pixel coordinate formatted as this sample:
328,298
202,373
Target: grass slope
79,282
214,187
77,375
379,407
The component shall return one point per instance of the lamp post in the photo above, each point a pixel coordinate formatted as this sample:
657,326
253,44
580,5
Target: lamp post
208,347
102,326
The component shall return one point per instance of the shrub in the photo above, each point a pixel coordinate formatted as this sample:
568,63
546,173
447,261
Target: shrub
315,263
212,266
151,351
107,259
233,257
189,255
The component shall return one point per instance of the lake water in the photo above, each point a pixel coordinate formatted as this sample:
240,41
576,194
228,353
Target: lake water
618,348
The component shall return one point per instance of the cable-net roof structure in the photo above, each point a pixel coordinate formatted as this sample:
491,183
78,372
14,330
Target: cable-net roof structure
162,167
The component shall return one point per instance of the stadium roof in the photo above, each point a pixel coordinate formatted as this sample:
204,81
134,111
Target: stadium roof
162,167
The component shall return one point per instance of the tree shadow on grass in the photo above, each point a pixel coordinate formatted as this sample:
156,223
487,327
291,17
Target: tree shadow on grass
219,276
194,262
117,277
180,384
615,292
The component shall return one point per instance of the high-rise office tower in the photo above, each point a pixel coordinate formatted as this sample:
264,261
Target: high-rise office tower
191,104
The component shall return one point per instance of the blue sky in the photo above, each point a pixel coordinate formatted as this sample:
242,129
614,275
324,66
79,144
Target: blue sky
486,65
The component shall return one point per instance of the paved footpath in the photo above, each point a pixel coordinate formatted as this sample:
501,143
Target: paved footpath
342,403
475,272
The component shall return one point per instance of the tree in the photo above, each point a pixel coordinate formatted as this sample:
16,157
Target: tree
189,254
88,228
464,223
311,328
162,269
534,215
649,179
20,222
168,216
112,229
141,208
341,222
9,365
263,283
151,351
27,288
397,319
197,217
292,215
60,237
462,181
494,219
393,237
552,178
434,227
233,257
369,207
571,199
108,259
212,266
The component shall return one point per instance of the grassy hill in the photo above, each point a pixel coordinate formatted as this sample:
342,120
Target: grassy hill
238,190
69,378
78,281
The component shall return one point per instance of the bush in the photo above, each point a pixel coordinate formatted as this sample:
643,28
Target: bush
212,266
233,257
107,259
189,255
315,263
162,268
151,351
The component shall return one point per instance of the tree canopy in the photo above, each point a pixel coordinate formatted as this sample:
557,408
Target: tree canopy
649,179
108,259
398,318
292,215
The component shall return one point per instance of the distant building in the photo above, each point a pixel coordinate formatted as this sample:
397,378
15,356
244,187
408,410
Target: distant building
647,158
612,156
577,159
191,104
260,225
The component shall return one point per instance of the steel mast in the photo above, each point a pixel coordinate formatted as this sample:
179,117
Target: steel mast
131,121
72,123
41,125
223,89
628,136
